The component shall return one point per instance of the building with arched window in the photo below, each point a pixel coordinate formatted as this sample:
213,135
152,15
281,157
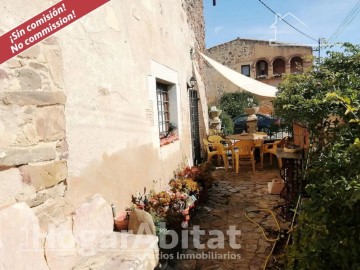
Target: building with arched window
258,59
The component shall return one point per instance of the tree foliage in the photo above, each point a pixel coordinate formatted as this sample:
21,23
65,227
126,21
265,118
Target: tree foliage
302,98
328,231
227,123
234,103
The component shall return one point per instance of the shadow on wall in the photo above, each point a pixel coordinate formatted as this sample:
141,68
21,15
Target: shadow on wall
117,176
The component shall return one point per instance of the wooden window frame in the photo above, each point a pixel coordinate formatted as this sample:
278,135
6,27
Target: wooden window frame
163,107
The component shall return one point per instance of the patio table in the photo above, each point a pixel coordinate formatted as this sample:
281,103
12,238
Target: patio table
258,137
247,137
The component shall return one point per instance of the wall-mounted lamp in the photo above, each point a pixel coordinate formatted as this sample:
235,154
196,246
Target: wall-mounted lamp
192,53
192,83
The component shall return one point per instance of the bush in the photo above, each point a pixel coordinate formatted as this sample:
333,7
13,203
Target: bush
327,235
233,104
227,124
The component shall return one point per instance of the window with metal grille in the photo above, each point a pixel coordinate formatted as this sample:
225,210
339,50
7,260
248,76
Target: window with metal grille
162,95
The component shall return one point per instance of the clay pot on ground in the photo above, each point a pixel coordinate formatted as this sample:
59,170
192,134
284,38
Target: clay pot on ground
121,221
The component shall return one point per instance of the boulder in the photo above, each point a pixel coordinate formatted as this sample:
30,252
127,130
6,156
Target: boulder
60,247
123,251
50,213
141,222
93,220
20,239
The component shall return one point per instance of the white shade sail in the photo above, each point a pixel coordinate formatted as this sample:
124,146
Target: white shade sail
242,81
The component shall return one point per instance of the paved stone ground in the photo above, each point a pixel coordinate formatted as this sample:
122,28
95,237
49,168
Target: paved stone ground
231,196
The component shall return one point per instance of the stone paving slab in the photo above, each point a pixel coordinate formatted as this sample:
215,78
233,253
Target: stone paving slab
230,197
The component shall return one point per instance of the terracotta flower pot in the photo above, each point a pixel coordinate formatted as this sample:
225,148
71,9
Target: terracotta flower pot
121,222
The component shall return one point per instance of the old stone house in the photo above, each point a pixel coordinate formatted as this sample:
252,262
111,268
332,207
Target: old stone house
83,112
258,59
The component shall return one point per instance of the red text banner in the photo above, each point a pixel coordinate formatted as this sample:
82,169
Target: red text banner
44,25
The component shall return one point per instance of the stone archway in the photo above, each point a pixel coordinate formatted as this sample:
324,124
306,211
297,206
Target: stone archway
296,65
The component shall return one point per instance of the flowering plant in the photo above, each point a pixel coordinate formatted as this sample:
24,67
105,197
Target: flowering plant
140,199
185,185
166,203
189,172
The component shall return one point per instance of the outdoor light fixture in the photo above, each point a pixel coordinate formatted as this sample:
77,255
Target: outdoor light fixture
192,82
192,53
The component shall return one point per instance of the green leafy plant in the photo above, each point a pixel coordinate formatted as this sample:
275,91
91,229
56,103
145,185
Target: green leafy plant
327,234
227,123
233,104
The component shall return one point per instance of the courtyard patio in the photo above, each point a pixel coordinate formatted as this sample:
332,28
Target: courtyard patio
230,197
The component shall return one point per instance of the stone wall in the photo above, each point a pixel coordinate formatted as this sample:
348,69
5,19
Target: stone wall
194,11
238,52
33,148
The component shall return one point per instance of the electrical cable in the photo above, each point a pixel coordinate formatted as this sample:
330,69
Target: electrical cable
263,231
345,23
278,16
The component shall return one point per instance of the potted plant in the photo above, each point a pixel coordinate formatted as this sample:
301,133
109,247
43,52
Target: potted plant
140,200
251,107
121,221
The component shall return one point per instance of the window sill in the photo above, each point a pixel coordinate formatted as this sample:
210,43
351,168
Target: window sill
166,141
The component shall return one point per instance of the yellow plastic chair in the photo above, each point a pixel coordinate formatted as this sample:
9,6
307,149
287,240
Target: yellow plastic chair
244,150
219,139
216,149
226,142
270,148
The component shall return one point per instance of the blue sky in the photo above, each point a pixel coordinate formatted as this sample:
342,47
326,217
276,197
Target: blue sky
230,19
